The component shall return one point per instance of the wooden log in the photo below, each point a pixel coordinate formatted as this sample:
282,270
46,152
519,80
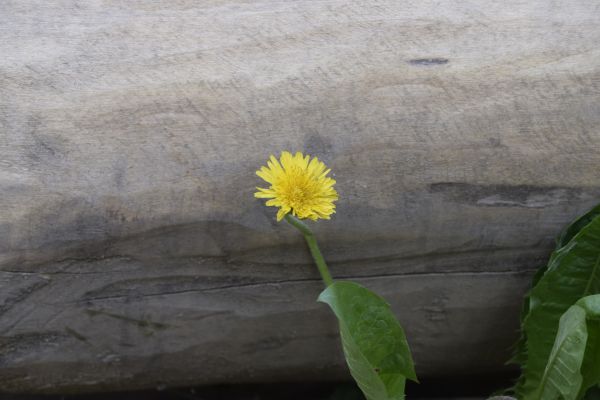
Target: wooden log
463,136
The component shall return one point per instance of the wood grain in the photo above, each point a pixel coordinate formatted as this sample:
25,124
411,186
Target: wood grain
463,136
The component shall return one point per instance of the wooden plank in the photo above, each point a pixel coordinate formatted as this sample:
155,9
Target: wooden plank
463,137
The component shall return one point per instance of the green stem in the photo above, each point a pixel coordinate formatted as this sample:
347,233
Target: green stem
311,240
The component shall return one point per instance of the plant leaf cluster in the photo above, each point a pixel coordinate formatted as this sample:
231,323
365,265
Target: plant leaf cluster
559,347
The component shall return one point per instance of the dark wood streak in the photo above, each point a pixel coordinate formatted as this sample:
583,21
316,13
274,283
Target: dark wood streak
429,61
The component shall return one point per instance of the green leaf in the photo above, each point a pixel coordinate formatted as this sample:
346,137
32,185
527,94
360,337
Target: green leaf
573,366
562,376
573,272
374,343
520,350
573,229
593,393
590,368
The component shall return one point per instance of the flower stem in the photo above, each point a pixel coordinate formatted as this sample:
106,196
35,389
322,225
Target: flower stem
311,240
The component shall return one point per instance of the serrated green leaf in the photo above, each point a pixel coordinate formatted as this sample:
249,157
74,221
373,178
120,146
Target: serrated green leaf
573,272
374,343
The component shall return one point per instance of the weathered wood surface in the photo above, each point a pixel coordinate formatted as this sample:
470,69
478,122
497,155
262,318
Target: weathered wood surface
463,136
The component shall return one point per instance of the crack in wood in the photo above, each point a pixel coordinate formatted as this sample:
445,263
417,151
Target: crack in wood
11,300
525,271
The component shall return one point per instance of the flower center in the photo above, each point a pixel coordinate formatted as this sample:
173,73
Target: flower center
297,196
298,188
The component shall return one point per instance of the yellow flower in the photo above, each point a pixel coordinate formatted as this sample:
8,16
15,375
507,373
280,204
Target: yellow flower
298,185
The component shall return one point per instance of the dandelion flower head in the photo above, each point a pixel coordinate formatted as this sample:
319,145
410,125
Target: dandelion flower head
299,185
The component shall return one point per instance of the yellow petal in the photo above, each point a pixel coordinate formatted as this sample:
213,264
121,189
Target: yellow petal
282,212
287,160
266,176
264,193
